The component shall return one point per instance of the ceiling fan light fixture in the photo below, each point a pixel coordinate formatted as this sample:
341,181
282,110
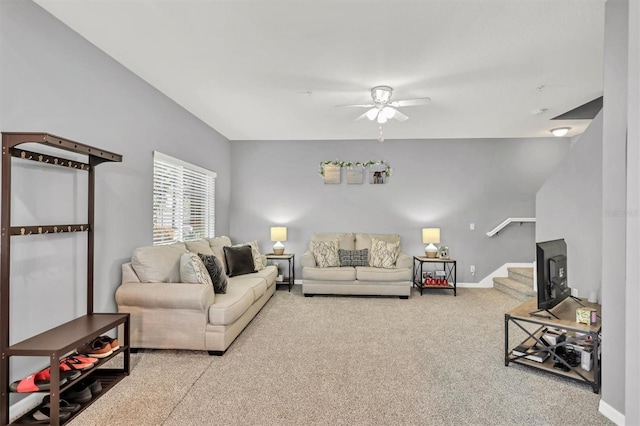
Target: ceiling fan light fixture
560,131
389,112
381,94
382,117
372,113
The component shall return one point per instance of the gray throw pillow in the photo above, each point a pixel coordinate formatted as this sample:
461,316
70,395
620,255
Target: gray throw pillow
216,272
354,257
239,260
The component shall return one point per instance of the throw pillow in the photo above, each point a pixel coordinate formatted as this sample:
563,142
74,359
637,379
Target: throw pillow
199,246
239,260
255,252
354,257
216,272
325,253
158,264
383,254
193,271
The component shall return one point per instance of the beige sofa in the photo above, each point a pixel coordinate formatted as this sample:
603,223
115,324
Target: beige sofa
394,280
169,314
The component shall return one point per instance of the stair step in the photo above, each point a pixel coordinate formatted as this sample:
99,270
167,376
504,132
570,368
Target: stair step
523,275
514,288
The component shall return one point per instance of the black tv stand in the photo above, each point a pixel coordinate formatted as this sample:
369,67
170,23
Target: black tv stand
578,300
539,314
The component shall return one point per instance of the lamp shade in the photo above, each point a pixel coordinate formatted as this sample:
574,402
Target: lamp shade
279,233
431,235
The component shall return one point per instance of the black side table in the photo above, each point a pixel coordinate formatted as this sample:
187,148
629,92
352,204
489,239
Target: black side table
449,267
289,257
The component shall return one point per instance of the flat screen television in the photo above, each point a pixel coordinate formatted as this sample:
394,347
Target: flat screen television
551,270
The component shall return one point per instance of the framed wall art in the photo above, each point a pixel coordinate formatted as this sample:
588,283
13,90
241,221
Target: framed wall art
331,173
355,175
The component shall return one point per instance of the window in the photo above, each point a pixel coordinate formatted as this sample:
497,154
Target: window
183,201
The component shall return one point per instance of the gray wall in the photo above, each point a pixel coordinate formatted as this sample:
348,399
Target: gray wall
618,247
632,335
569,206
53,80
436,183
614,203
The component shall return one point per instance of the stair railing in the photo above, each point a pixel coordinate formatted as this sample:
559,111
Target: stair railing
509,221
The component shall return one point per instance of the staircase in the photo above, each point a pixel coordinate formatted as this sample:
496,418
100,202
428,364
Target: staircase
518,284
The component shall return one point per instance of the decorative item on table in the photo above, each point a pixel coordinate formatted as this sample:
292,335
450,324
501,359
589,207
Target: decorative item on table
431,236
443,252
278,234
586,316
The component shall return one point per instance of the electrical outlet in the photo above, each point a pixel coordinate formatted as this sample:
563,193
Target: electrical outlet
472,227
473,269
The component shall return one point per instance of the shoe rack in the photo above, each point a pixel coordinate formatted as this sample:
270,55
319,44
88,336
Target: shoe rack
57,342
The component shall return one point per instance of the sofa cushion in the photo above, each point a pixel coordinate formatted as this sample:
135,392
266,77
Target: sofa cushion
216,245
325,253
345,241
216,272
158,264
230,306
369,273
193,271
252,281
269,274
344,273
354,257
239,260
255,252
199,246
384,254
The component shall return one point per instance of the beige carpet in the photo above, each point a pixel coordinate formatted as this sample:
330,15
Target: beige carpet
429,360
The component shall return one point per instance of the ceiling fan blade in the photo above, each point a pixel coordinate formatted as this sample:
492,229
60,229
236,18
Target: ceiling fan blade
356,106
400,116
411,102
361,116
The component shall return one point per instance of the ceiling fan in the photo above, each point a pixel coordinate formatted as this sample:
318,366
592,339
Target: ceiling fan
383,109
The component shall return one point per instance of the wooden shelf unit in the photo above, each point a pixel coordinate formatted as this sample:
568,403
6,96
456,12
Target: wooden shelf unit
57,342
566,313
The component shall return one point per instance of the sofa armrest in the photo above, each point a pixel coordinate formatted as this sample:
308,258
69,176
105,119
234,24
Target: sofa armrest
404,261
166,295
308,260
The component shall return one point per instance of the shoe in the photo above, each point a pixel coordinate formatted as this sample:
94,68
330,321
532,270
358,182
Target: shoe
41,416
35,382
80,393
65,406
94,385
111,341
78,362
96,349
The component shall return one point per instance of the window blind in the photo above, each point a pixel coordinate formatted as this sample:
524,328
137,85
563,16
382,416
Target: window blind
183,201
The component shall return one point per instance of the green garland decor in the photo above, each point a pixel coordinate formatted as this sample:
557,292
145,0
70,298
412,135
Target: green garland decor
387,170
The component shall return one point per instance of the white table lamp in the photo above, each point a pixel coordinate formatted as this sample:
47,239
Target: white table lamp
431,236
278,234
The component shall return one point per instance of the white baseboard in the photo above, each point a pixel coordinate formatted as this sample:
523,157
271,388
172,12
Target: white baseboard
473,285
611,413
487,282
21,407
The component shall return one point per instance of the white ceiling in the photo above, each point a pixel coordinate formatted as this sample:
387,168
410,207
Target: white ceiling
275,69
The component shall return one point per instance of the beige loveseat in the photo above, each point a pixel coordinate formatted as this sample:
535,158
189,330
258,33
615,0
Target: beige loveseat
392,280
167,313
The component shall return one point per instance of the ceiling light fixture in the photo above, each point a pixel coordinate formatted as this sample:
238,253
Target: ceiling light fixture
560,131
